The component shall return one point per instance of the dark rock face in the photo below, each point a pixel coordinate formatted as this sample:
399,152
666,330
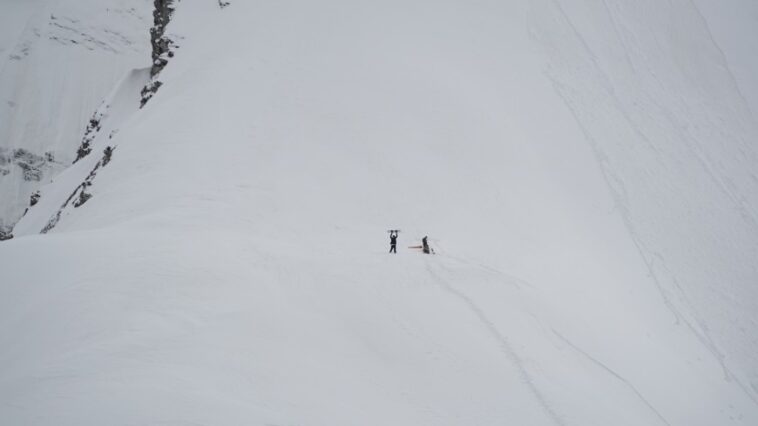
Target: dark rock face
148,91
31,173
107,154
89,135
34,199
161,44
5,162
80,195
32,165
29,168
5,234
83,197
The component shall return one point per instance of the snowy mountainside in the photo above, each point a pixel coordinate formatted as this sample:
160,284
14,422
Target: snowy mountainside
677,143
585,173
58,61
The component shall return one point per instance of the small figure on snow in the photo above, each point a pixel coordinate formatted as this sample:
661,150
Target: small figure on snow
425,248
393,241
425,245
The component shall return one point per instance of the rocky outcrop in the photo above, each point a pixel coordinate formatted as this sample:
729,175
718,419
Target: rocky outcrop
80,195
5,233
162,46
23,169
32,165
93,127
161,43
149,90
34,199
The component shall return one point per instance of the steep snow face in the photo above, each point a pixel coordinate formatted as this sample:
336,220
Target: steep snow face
58,61
673,130
585,174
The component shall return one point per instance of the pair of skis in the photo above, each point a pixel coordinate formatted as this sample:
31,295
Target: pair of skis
431,250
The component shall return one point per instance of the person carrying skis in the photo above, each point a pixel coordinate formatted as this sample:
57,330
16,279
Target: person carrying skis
393,241
425,245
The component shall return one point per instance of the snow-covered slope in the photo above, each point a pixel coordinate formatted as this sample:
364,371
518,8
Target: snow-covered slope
585,172
675,136
58,61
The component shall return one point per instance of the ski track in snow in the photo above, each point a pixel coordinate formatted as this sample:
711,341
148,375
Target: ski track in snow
724,58
509,279
617,191
617,32
610,371
504,344
720,181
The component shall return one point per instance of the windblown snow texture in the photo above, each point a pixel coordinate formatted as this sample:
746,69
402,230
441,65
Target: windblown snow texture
586,171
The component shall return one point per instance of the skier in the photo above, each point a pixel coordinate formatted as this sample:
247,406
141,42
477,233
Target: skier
393,241
425,245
